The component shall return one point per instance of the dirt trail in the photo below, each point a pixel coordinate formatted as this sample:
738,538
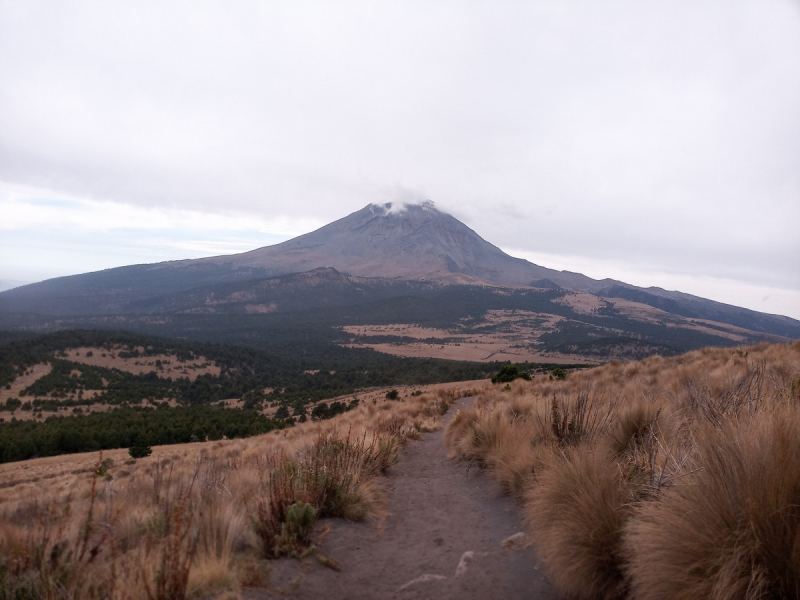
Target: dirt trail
443,538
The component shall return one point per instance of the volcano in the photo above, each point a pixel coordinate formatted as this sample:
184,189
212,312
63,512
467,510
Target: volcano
402,242
370,254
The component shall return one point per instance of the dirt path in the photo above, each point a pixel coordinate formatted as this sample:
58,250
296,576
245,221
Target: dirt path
443,538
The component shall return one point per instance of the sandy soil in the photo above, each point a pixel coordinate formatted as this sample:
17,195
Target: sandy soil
443,538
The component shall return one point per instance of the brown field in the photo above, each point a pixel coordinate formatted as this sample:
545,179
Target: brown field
641,312
514,341
20,383
662,478
649,314
479,352
172,368
582,302
29,415
515,333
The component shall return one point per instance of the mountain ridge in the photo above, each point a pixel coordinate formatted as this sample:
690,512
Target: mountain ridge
387,241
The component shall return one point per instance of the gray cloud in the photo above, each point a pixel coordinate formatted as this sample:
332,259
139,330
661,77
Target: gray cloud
665,135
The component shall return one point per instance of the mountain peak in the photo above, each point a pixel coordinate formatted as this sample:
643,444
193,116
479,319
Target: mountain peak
401,207
398,239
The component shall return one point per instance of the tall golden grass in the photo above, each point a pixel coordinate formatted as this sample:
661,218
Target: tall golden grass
664,478
202,522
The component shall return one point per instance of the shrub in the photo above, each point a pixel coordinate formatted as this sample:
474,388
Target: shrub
732,529
576,512
509,373
330,478
578,419
692,490
295,534
140,451
458,427
631,427
177,540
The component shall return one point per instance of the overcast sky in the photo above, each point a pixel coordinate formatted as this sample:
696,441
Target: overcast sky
653,142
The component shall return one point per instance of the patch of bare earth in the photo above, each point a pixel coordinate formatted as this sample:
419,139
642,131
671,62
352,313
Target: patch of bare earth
514,338
582,302
170,366
28,378
443,537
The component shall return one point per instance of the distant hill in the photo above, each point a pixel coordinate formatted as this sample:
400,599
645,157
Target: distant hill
379,253
6,284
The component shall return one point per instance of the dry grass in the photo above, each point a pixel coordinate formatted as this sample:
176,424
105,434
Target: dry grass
461,343
197,519
733,529
576,513
171,366
663,478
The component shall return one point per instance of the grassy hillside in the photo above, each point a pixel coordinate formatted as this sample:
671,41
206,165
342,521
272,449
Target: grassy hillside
197,519
664,478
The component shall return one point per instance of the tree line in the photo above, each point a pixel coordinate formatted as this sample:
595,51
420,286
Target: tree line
127,427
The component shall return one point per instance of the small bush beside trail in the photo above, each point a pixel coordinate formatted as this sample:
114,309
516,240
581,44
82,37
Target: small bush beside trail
509,373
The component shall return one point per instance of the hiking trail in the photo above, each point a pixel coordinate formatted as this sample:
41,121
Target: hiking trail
443,537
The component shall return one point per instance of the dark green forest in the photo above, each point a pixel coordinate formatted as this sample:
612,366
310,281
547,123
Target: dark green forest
126,427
